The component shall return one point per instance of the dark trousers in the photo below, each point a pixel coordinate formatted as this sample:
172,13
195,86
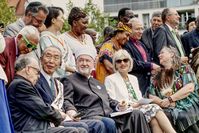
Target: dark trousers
108,123
133,122
90,125
62,130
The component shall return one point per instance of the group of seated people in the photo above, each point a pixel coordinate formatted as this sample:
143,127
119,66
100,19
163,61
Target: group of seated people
51,87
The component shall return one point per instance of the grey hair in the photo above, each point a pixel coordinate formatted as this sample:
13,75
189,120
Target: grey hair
51,46
133,21
122,54
156,14
22,61
35,7
30,30
176,61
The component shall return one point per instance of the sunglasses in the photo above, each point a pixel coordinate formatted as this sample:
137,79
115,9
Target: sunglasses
123,60
29,44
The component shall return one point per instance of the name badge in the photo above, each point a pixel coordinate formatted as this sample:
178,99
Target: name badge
99,87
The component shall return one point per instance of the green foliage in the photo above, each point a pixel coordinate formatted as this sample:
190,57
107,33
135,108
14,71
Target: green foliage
7,14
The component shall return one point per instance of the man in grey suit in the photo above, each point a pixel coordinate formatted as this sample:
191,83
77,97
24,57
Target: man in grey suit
147,36
166,35
35,15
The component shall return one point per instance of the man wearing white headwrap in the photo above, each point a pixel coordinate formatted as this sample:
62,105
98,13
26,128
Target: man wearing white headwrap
83,92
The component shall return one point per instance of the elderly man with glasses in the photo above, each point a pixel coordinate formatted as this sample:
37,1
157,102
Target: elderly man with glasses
35,15
28,110
25,42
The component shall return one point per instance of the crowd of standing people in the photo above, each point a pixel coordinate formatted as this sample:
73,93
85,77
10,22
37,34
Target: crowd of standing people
136,81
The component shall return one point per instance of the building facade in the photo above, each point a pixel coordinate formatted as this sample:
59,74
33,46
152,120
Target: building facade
143,9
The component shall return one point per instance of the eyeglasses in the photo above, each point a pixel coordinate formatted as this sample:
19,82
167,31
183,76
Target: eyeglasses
36,69
122,60
29,44
38,21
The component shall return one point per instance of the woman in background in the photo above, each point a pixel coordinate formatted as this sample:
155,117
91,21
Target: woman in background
76,37
54,23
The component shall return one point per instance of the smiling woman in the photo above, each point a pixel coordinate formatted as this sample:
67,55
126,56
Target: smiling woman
104,64
76,37
122,86
175,88
50,37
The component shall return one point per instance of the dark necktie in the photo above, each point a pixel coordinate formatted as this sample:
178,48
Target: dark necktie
52,86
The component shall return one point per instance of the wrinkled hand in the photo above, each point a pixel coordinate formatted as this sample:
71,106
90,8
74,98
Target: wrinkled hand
155,66
155,99
165,103
135,105
122,106
184,60
42,28
173,104
62,114
76,118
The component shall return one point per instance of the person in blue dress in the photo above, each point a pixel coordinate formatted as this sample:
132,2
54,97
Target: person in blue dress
5,119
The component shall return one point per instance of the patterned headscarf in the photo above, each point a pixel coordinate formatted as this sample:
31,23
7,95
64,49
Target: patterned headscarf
123,27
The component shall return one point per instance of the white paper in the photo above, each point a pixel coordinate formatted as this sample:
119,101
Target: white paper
121,112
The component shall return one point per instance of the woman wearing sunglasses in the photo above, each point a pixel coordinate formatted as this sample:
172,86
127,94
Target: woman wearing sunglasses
124,87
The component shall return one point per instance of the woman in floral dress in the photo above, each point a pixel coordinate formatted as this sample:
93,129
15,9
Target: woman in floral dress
174,87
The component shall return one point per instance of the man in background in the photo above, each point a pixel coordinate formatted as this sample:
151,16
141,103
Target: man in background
147,36
166,34
28,110
35,15
25,42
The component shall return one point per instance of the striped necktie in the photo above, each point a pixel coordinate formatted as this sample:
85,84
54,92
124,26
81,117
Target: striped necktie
179,45
52,86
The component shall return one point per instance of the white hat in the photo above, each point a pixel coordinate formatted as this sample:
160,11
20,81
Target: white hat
86,51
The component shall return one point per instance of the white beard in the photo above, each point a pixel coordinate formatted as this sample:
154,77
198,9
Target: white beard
84,71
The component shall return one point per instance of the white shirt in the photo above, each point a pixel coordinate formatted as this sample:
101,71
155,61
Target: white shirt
46,76
76,45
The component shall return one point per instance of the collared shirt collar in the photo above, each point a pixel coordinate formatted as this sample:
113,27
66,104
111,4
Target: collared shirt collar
134,40
22,22
47,77
170,28
152,31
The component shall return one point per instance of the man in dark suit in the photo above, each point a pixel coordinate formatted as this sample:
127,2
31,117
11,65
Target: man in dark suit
28,110
54,95
147,36
191,39
166,34
82,91
142,65
26,41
